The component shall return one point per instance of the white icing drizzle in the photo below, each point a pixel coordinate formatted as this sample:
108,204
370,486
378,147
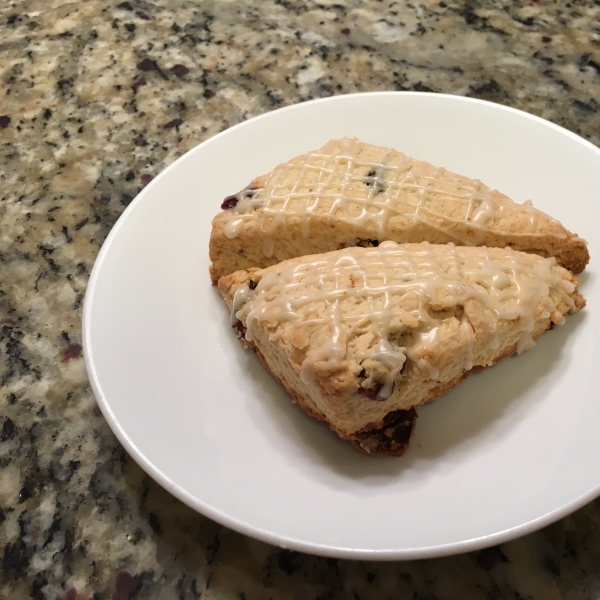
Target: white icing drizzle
336,182
233,227
241,296
351,291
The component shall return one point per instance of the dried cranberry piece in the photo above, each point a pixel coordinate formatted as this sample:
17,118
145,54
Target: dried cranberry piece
401,422
371,393
367,243
252,284
240,330
401,434
229,202
394,435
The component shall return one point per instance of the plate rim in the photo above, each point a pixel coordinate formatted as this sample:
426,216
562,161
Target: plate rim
243,527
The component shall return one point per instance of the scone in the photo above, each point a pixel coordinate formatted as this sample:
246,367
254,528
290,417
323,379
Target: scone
361,336
350,193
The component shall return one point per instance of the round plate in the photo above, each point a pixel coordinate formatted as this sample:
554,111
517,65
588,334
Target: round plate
506,452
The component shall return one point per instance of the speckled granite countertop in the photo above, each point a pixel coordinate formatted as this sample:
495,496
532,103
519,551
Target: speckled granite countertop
96,99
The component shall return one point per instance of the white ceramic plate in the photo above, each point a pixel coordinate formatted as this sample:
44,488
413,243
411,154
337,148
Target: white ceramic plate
508,451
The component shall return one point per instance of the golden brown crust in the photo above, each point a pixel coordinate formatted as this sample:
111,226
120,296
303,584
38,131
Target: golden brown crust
517,226
339,396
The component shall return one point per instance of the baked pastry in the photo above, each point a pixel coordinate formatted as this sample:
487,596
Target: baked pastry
350,193
361,336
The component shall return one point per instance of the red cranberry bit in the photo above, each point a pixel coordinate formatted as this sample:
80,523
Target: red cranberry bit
402,432
372,393
410,414
402,422
367,243
240,330
252,284
229,202
394,435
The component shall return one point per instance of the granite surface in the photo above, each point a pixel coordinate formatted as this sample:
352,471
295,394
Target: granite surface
97,98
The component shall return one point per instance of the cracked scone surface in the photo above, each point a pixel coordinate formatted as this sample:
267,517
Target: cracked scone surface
361,336
350,193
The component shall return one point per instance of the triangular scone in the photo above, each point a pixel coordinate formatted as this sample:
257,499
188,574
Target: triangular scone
361,336
350,193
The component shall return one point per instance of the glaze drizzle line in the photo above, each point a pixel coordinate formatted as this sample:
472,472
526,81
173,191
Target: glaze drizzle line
335,182
391,289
